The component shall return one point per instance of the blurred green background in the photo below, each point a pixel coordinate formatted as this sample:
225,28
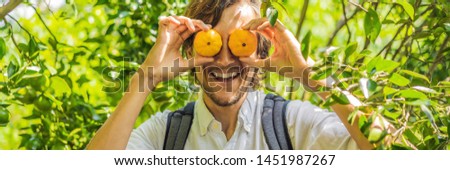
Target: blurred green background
65,64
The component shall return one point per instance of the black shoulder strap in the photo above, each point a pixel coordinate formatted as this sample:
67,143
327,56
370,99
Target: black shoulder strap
274,123
178,127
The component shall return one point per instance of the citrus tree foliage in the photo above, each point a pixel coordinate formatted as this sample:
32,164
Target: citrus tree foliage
64,69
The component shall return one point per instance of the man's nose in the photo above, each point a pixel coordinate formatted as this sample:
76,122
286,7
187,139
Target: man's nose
225,57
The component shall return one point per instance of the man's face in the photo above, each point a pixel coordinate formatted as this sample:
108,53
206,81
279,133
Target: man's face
226,80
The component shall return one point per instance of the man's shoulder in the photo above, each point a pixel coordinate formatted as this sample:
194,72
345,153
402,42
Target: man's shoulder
159,118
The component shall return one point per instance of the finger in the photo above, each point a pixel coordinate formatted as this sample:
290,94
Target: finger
264,26
187,21
257,23
164,20
247,26
181,29
200,24
268,34
185,35
254,24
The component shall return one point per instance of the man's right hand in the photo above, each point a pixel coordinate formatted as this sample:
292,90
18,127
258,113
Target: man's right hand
165,61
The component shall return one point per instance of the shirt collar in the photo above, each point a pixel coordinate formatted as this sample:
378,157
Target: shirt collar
203,115
246,112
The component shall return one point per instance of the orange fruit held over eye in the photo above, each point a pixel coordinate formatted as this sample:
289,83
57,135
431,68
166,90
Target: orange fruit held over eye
242,43
208,43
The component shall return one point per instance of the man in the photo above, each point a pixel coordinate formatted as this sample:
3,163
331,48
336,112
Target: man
227,114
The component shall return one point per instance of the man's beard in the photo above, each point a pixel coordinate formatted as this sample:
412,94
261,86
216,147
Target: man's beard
241,91
224,103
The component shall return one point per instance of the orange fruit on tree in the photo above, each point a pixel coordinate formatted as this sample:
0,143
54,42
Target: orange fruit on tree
242,43
208,43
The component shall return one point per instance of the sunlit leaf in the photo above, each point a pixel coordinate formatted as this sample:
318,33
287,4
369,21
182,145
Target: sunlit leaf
429,114
367,86
2,48
393,115
447,27
306,47
264,6
412,94
60,86
340,98
399,80
425,89
322,74
380,64
272,15
414,74
351,48
372,25
376,135
388,91
409,9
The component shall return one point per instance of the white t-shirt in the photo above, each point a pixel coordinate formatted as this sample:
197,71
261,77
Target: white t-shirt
309,128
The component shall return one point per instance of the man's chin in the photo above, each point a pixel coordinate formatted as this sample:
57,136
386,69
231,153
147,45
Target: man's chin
225,100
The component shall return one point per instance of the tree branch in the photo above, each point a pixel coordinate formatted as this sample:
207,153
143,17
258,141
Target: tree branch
45,25
340,25
392,40
439,56
359,6
11,5
297,35
302,18
346,22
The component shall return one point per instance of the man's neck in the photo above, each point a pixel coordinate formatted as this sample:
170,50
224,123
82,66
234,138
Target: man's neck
226,115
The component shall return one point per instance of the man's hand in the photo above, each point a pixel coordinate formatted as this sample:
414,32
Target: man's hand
164,61
287,59
161,65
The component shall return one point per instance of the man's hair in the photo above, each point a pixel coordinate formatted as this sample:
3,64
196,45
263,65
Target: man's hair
210,12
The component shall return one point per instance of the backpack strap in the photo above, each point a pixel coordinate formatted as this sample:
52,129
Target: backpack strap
178,126
274,123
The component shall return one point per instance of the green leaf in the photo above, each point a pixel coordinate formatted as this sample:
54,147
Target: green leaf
340,98
429,114
367,87
32,47
322,74
388,91
414,74
425,89
372,25
409,9
387,65
412,94
447,27
60,86
12,69
393,115
376,135
306,47
381,64
351,48
2,48
264,6
419,102
399,80
273,15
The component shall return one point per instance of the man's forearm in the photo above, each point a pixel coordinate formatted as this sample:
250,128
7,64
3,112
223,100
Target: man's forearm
116,131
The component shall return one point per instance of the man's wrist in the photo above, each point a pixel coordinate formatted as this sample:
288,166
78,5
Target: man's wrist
142,83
